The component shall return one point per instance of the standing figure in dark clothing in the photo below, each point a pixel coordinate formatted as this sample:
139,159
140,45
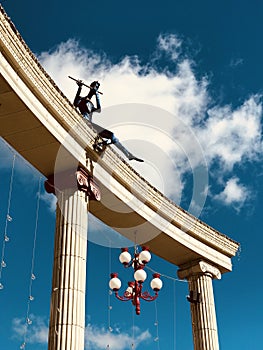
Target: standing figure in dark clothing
84,104
87,108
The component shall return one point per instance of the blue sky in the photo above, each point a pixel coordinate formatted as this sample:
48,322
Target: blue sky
198,65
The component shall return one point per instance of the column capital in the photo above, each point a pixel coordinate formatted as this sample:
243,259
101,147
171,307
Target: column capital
198,268
77,179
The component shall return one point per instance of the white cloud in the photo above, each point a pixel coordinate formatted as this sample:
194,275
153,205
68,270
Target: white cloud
130,84
170,44
190,131
36,332
235,62
177,112
50,200
95,337
128,81
234,193
99,338
233,136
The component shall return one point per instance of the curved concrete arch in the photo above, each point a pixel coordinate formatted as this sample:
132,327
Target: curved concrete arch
36,119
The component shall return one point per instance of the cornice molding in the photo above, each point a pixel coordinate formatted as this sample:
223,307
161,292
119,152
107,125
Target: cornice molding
198,268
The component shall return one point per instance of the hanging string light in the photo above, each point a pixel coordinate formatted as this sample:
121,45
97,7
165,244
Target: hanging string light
7,220
156,323
28,320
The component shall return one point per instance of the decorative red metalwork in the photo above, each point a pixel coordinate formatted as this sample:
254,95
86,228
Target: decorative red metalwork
134,291
136,295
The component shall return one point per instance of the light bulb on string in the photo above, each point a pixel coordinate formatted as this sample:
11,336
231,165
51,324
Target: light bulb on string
9,218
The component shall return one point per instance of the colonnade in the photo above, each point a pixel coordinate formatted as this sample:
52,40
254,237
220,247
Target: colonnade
67,315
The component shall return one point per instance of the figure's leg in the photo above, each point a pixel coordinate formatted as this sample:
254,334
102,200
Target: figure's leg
103,134
100,144
124,150
107,134
111,139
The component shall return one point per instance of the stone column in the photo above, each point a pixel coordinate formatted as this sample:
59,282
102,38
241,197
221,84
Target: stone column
67,315
73,189
201,297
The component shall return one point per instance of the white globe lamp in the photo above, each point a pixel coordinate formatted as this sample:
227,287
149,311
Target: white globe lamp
140,275
145,255
156,282
115,282
125,257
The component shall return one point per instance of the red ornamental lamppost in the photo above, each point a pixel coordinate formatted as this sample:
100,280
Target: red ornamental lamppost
134,290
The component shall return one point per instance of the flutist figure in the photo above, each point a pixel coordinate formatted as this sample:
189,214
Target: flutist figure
87,108
84,104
